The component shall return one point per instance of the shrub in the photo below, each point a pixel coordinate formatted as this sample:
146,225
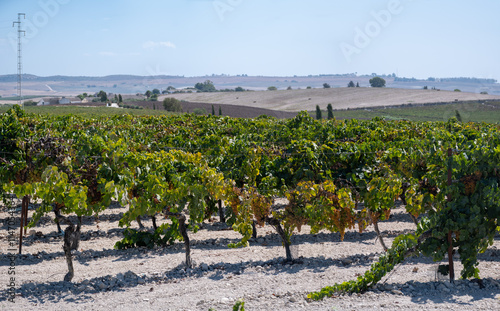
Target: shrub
199,111
172,104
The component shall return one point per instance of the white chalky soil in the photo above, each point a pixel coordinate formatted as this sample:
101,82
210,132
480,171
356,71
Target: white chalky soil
156,279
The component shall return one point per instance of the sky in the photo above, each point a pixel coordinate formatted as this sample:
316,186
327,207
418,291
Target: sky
412,38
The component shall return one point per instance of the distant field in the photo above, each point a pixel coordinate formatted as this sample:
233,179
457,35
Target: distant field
87,111
17,97
340,98
475,112
472,111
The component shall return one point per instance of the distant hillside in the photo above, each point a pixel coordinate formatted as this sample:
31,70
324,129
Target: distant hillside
340,98
132,84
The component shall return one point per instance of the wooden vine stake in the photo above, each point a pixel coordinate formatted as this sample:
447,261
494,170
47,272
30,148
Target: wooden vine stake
450,239
24,220
221,212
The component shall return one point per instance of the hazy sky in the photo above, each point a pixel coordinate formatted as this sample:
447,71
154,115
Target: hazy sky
412,38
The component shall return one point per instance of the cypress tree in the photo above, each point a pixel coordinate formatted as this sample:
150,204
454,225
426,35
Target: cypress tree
318,113
330,111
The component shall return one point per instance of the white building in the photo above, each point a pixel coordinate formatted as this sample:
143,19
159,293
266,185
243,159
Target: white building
48,101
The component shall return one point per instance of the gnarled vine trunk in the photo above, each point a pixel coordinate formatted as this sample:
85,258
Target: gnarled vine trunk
275,223
71,242
183,229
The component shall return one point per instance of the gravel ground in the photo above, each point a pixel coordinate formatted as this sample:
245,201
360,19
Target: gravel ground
156,279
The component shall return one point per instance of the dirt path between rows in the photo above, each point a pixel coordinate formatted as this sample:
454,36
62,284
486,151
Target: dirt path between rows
156,279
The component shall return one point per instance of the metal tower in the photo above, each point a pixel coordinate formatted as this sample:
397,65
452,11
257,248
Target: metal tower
19,57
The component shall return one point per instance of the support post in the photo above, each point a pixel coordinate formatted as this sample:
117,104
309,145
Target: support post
222,216
24,220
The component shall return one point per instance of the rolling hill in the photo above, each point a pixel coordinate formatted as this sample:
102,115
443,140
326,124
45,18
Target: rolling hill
340,98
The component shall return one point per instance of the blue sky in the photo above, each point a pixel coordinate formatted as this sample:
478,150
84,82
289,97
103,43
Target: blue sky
412,38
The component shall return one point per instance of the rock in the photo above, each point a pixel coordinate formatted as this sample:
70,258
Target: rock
441,287
293,299
141,281
120,276
81,288
396,292
204,267
449,285
101,285
130,275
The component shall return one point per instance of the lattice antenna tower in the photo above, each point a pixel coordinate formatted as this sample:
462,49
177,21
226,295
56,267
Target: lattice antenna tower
19,57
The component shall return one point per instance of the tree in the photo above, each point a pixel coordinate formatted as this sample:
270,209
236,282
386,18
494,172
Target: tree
330,111
272,88
207,86
457,90
351,84
289,88
156,91
357,84
308,88
318,113
148,93
377,82
199,111
103,96
120,98
172,104
81,96
29,103
239,89
326,85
